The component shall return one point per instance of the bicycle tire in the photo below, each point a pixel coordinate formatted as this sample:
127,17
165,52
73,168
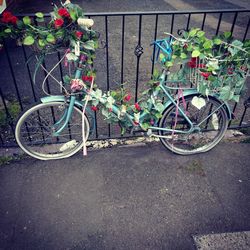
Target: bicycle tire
212,129
35,127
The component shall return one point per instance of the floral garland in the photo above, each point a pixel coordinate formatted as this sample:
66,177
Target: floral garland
68,29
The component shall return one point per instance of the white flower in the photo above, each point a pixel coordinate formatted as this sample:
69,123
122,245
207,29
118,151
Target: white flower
67,2
123,109
137,117
85,22
71,57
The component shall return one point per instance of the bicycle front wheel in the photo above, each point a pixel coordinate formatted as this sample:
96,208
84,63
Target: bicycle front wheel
34,131
209,117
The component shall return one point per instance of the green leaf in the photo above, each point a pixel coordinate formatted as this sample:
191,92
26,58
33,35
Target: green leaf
190,47
105,112
200,33
59,34
217,41
66,79
7,30
183,56
50,38
123,130
159,107
98,94
227,34
195,53
41,43
162,57
202,56
39,14
145,125
236,98
28,40
40,20
73,15
193,32
158,115
26,20
110,102
237,43
169,64
208,44
89,45
225,93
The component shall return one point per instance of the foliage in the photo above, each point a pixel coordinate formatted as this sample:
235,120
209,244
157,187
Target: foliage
215,66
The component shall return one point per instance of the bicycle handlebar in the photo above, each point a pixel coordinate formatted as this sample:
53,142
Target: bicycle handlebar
163,45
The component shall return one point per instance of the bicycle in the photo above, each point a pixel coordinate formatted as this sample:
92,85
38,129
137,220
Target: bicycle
190,122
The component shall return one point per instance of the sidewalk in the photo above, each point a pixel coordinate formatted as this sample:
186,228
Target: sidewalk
140,197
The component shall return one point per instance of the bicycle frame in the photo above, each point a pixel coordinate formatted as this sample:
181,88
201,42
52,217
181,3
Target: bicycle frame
163,45
60,125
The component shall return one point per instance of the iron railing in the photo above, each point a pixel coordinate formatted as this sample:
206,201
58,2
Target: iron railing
124,60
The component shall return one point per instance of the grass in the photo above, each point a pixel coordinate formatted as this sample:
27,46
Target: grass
5,160
14,110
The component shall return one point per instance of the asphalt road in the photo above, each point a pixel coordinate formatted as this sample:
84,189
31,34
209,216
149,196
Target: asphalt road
140,197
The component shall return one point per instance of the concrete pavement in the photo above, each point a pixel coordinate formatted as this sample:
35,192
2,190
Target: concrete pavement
140,197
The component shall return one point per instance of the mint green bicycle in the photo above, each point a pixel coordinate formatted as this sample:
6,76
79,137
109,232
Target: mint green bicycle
190,123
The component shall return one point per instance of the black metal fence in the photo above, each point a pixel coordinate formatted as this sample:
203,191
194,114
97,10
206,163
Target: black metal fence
124,61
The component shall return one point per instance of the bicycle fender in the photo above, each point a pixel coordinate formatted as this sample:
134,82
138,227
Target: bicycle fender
194,91
58,98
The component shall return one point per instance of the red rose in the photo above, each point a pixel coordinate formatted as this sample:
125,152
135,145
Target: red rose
201,66
58,23
193,62
13,20
127,98
63,12
9,18
94,108
137,107
78,34
206,75
6,17
87,78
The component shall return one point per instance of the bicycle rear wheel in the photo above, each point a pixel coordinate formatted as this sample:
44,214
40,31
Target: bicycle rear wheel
211,128
34,131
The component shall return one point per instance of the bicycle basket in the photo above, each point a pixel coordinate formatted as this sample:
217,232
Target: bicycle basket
212,76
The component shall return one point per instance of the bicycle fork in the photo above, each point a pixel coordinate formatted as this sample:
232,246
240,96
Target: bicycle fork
65,118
